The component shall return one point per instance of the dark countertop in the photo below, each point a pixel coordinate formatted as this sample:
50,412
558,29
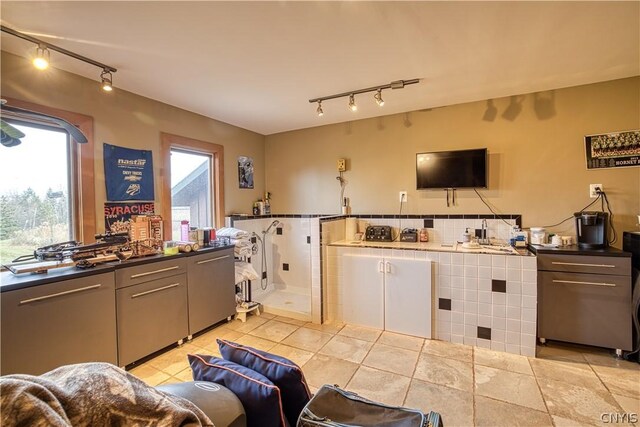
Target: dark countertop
11,282
576,250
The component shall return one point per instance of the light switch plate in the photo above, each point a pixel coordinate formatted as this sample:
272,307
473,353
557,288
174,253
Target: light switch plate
342,165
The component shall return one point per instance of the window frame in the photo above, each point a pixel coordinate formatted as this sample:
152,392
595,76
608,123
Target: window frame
215,151
82,168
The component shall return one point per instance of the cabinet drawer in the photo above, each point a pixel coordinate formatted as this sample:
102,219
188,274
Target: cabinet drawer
592,309
70,321
155,270
212,258
151,316
585,264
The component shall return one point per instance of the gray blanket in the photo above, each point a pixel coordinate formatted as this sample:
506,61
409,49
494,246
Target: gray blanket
91,394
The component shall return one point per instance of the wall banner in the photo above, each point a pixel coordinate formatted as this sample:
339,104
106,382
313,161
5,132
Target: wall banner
613,150
117,215
128,173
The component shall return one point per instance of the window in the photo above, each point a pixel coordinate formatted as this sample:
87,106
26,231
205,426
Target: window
190,190
35,198
192,183
51,177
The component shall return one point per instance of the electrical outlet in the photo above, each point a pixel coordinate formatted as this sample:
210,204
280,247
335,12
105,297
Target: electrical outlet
403,197
592,190
342,165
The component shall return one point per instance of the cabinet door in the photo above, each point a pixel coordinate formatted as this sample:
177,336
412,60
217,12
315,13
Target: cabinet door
71,321
362,291
211,289
408,297
151,316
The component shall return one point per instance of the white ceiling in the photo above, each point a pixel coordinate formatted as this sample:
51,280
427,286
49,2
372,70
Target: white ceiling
256,64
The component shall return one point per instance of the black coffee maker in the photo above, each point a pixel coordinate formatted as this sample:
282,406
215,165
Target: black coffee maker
591,228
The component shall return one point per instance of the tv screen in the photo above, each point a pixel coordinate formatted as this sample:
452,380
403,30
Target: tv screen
452,169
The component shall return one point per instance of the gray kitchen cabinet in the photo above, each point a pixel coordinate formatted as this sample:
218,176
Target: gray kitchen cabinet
585,299
152,314
65,322
211,288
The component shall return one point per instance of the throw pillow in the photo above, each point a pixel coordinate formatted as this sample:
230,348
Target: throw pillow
281,371
259,396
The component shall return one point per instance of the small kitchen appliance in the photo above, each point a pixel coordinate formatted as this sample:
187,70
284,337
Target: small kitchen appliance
409,235
591,228
378,233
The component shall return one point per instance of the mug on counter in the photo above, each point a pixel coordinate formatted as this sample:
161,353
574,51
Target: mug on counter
557,240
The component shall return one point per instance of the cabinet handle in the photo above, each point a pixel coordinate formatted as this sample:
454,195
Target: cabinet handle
59,294
585,283
173,285
212,259
387,267
582,265
380,267
175,267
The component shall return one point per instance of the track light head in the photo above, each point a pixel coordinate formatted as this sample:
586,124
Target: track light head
107,80
378,98
319,110
352,103
41,61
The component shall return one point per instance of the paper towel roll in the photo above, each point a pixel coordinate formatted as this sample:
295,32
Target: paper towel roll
351,229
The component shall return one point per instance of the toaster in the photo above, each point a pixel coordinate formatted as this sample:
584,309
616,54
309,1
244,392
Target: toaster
378,233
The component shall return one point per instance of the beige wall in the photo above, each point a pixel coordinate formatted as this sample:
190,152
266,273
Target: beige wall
537,165
125,119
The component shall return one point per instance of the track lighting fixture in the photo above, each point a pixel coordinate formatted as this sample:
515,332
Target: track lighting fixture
106,80
378,98
41,61
398,84
352,103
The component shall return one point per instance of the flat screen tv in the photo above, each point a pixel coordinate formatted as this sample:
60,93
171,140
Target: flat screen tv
452,169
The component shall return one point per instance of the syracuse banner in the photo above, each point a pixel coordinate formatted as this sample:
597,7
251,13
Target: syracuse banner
128,174
117,215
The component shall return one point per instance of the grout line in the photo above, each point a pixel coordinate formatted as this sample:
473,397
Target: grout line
535,377
473,385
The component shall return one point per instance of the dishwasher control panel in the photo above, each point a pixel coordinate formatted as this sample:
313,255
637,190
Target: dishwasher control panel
378,233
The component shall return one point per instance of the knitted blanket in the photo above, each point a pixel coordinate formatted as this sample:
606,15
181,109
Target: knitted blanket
91,394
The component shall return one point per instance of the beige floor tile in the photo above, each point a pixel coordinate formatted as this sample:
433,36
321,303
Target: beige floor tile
628,404
403,341
379,386
296,355
455,406
185,375
290,321
207,340
256,342
620,381
502,360
448,350
392,359
555,351
330,328
150,375
274,330
566,370
607,360
313,389
307,339
571,402
248,326
346,348
267,316
321,369
508,386
445,371
493,413
361,333
566,422
173,361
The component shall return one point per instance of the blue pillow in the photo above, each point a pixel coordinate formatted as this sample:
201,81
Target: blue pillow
259,396
281,371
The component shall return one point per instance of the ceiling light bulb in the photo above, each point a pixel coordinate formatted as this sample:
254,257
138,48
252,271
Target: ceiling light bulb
41,61
352,103
378,98
107,81
319,110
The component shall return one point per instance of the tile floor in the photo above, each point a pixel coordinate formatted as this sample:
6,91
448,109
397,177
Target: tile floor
564,386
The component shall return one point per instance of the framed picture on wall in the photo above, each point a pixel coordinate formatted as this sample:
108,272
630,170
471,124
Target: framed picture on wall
245,172
613,150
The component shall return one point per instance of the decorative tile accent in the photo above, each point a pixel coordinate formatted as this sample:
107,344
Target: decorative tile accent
444,304
484,333
309,239
279,230
285,267
428,223
499,286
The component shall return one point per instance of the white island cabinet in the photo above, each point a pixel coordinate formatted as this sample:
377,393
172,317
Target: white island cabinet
383,291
